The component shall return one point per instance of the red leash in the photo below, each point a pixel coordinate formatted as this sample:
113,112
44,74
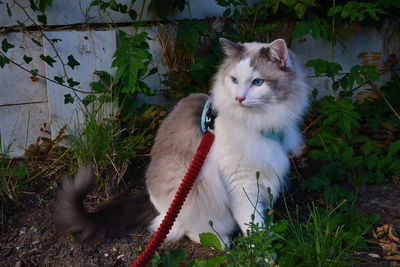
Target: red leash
176,205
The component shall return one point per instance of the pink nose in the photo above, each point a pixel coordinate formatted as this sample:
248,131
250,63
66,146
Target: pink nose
240,99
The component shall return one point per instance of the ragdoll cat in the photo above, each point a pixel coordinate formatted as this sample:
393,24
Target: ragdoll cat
259,96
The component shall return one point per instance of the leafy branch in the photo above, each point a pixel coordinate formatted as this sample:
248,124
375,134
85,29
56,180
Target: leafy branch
34,73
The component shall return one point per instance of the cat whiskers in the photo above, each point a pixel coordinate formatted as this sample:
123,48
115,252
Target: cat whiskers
257,104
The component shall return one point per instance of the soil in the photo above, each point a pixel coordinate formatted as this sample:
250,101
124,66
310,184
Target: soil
31,238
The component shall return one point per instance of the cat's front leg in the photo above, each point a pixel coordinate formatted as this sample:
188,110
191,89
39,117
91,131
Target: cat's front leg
246,204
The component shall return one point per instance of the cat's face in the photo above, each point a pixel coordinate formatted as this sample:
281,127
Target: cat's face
259,80
257,75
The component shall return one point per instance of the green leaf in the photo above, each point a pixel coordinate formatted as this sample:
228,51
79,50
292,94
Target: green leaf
8,10
320,66
98,87
302,28
315,30
393,148
89,99
114,5
132,14
300,9
280,226
3,61
367,148
210,262
209,240
36,42
55,40
315,183
95,3
5,45
372,162
72,83
379,177
104,99
42,19
34,72
22,25
334,10
72,62
226,13
59,79
289,2
152,71
333,69
173,258
42,5
33,5
68,99
48,60
27,59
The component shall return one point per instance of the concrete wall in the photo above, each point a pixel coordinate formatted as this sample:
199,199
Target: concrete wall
27,104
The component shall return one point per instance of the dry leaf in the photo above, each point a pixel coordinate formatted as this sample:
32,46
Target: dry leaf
388,241
34,78
393,258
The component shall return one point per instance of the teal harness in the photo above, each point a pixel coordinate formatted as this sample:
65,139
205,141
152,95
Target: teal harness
207,122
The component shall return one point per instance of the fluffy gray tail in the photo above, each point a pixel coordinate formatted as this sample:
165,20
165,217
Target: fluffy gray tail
110,220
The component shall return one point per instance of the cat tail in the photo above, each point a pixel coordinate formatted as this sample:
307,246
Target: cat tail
108,221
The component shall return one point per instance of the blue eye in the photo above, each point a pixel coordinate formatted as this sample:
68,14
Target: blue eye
258,82
234,80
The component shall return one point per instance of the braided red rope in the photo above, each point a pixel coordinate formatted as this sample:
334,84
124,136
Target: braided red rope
176,205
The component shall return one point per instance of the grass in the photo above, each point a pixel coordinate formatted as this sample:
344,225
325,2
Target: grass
102,142
11,177
322,240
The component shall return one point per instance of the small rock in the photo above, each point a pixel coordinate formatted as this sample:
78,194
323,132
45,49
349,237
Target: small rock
35,242
35,230
374,255
106,255
68,254
22,231
18,264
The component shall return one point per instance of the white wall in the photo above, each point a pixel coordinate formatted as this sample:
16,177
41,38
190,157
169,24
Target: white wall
29,104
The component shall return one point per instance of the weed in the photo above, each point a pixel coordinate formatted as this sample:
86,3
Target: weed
325,239
11,178
99,143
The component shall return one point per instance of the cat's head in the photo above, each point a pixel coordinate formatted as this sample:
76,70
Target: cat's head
259,80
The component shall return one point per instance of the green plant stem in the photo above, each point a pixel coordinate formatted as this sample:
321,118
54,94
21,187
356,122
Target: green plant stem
189,10
255,19
333,45
347,51
141,10
333,34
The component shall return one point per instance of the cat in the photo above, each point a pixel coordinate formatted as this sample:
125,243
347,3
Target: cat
259,96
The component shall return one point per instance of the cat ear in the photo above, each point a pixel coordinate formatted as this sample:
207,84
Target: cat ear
279,52
231,49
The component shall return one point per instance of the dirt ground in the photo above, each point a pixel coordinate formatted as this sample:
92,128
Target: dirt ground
32,240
